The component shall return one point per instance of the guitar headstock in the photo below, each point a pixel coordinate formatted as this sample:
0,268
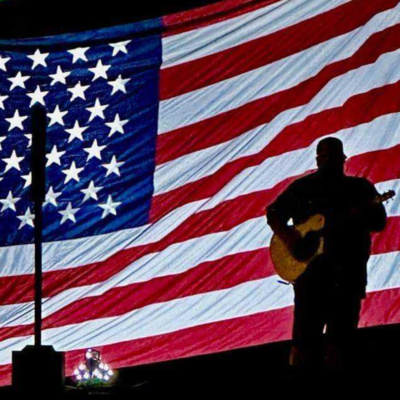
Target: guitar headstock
386,196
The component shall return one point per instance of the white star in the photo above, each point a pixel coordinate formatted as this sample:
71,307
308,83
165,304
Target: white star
3,62
68,214
2,139
9,202
38,59
37,97
113,167
18,81
54,157
79,54
29,137
57,116
119,85
110,207
76,132
60,76
91,192
72,173
97,110
27,179
120,47
51,197
2,100
13,162
94,151
78,91
26,219
100,71
117,125
16,121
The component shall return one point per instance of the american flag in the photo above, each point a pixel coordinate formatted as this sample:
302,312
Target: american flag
166,141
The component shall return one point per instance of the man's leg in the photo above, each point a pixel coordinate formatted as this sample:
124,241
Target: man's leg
307,349
341,328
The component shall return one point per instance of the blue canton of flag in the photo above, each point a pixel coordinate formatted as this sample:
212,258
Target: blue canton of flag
102,99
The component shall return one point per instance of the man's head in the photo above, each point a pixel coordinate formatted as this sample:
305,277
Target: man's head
330,155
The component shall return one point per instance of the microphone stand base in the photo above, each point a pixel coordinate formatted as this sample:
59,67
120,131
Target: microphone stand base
38,369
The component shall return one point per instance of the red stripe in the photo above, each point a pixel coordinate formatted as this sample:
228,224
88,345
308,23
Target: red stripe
388,240
375,165
5,375
222,218
231,124
360,109
16,289
379,308
226,64
212,14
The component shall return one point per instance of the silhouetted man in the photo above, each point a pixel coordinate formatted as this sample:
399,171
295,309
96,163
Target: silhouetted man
328,295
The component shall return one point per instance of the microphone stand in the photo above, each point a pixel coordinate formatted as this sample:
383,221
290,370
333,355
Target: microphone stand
36,363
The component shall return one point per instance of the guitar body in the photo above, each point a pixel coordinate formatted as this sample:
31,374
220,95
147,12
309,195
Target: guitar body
286,265
289,267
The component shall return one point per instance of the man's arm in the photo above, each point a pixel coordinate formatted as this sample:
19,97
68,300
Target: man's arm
372,216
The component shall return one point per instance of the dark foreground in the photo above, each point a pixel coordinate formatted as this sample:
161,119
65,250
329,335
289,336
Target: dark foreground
258,372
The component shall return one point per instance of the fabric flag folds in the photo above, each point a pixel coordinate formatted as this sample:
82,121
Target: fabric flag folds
166,141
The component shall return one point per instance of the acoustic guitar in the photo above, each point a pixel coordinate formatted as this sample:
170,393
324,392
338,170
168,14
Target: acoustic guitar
287,266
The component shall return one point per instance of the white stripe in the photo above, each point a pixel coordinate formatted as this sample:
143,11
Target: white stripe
382,133
157,319
287,73
194,166
176,259
79,252
15,314
383,273
18,260
218,37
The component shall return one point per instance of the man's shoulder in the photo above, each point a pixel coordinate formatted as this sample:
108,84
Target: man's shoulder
359,182
305,180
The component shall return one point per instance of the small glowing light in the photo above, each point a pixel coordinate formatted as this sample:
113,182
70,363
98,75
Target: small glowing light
110,372
106,367
106,377
89,354
76,372
86,375
82,367
79,377
101,366
100,376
